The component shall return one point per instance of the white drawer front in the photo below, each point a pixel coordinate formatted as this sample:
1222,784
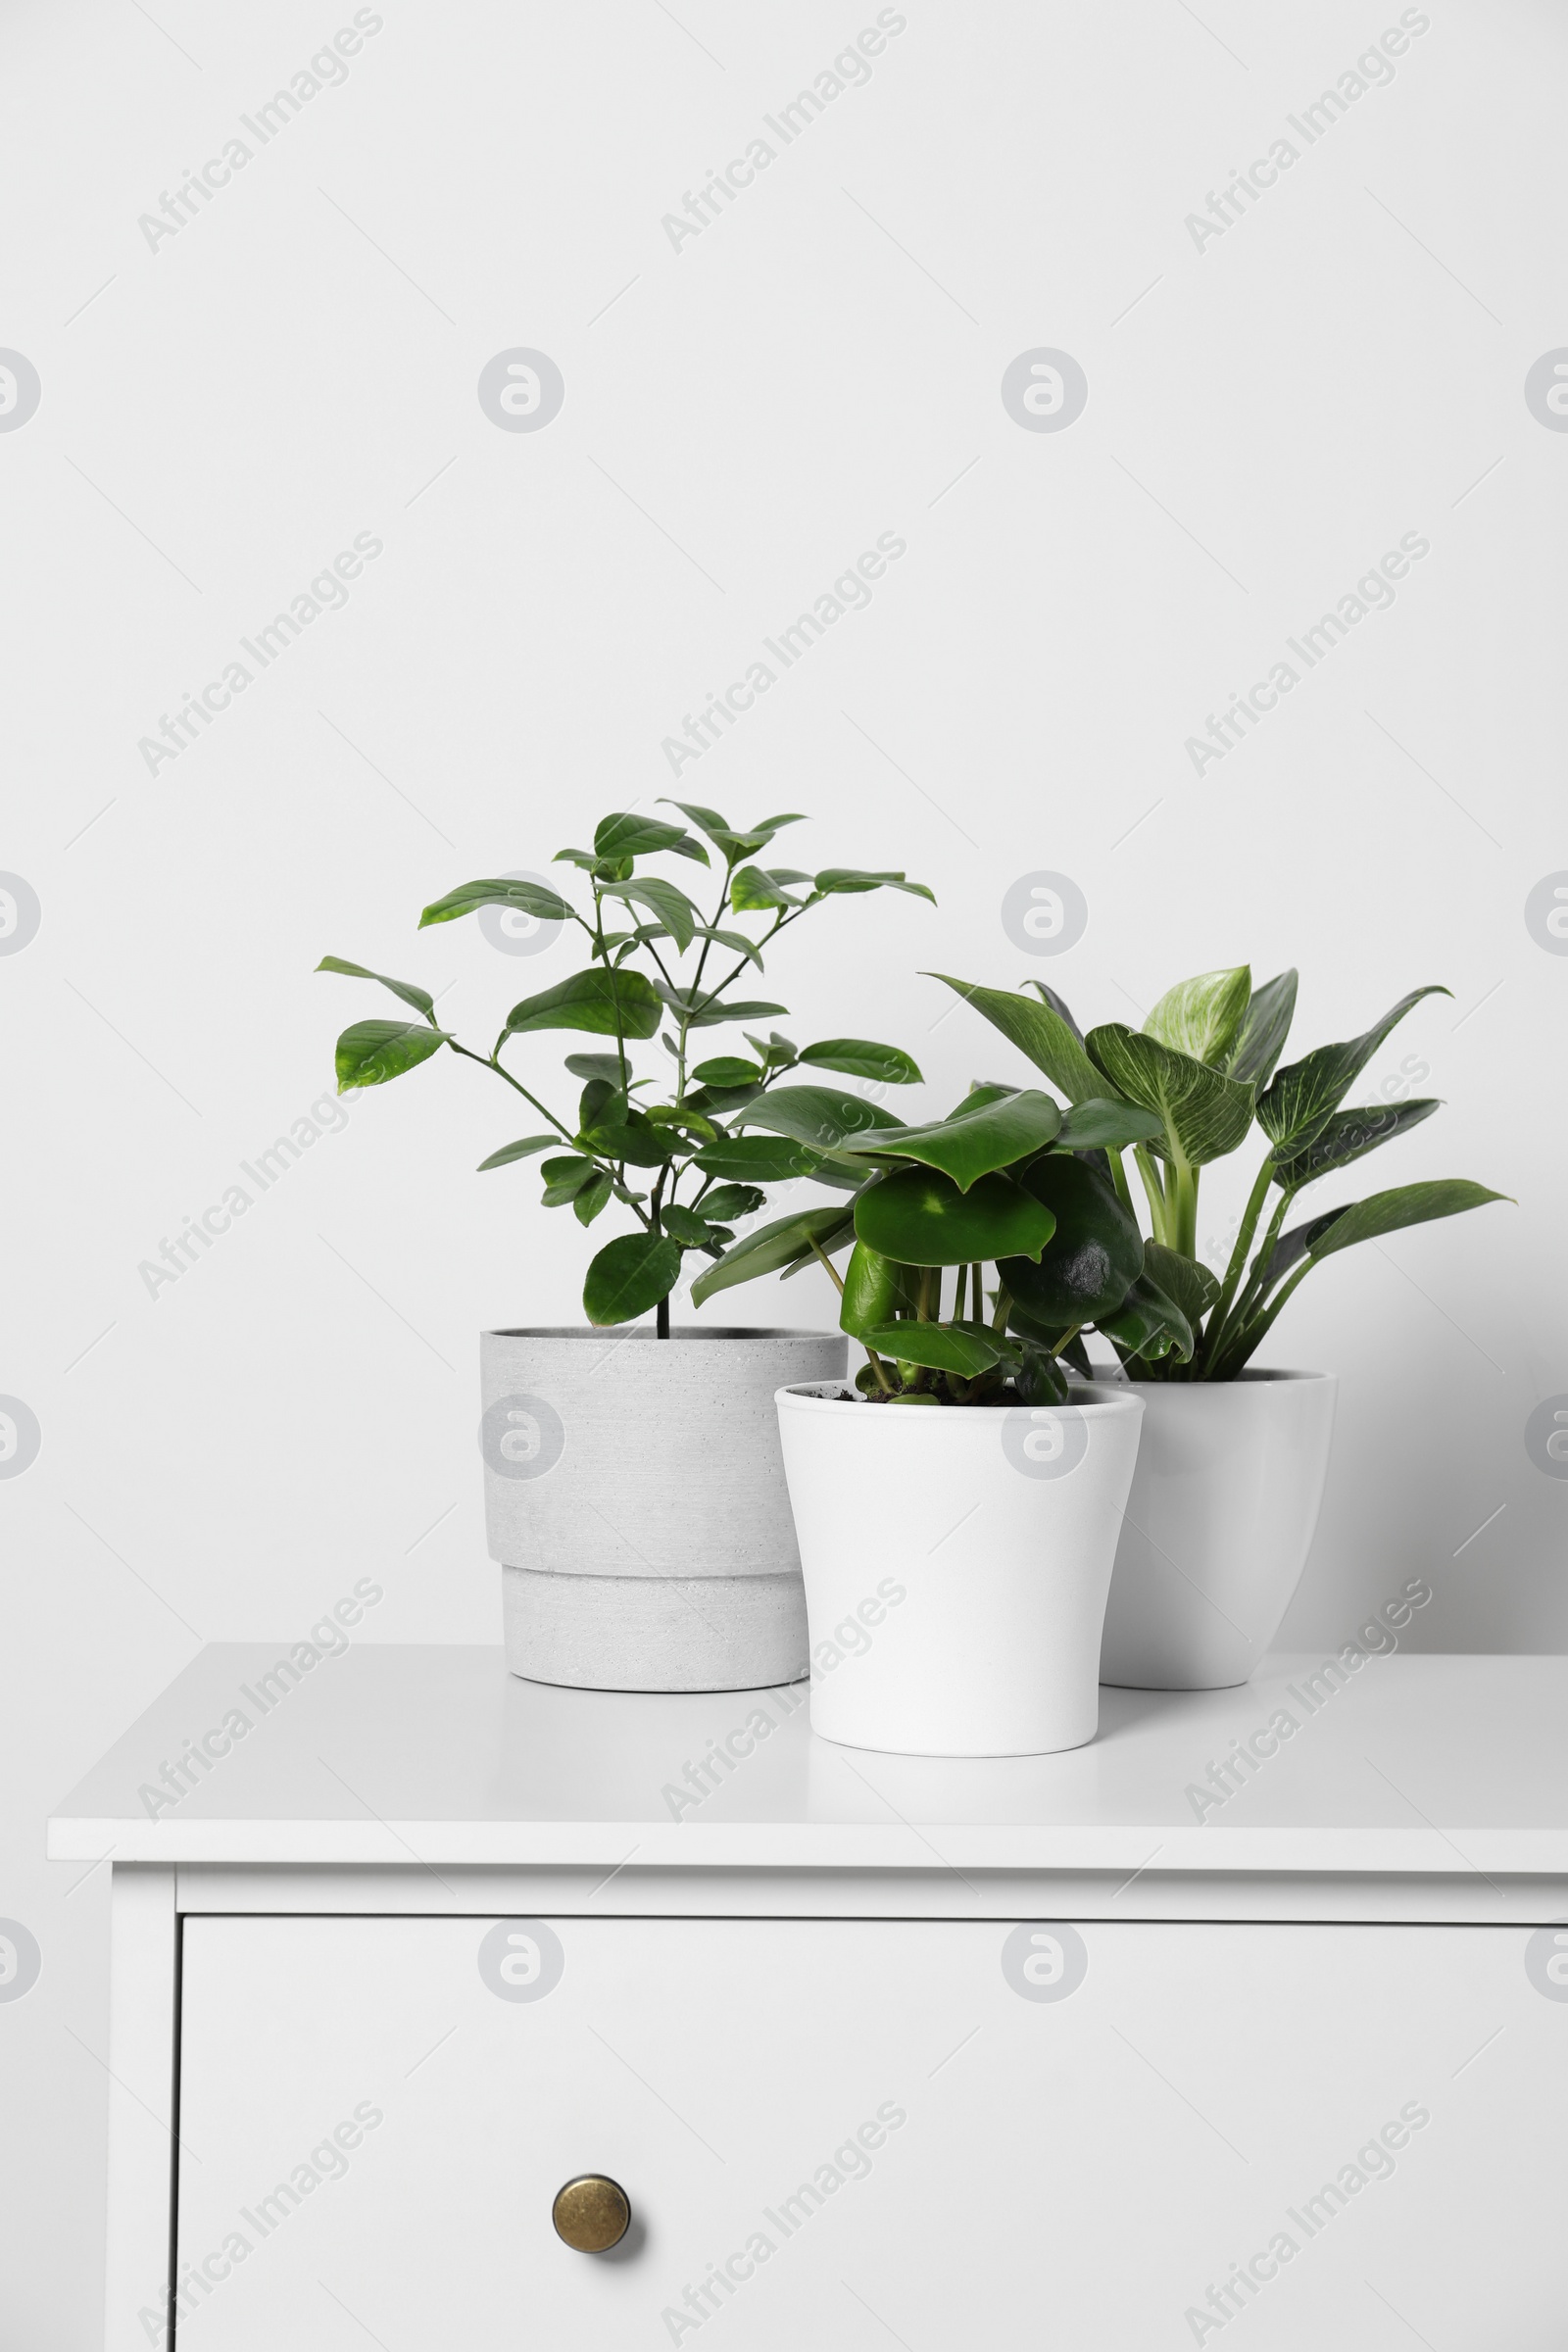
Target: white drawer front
851,2134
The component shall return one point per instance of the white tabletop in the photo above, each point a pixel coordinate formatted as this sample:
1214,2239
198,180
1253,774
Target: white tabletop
424,1755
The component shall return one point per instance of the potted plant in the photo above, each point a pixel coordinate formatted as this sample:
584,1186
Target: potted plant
1233,1460
963,1459
634,1493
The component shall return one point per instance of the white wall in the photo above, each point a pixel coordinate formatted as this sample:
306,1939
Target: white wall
1269,411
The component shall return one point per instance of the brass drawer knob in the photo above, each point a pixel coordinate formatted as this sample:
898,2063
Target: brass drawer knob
591,2212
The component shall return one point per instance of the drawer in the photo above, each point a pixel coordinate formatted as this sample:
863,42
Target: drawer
857,2133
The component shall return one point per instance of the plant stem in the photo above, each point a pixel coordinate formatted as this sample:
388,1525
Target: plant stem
977,1296
1245,1340
1118,1177
999,1321
1243,1242
1257,1283
831,1270
1158,1211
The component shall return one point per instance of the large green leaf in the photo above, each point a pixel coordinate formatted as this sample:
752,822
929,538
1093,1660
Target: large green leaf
992,1130
774,1246
596,1000
1306,1093
628,1276
1037,1030
673,907
532,898
840,881
1261,1040
1092,1257
1203,1113
860,1058
420,997
757,1160
373,1051
1406,1205
1058,1004
874,1290
1186,1280
1351,1135
939,1346
523,1150
818,1116
920,1217
1149,1323
623,835
1202,1016
1099,1125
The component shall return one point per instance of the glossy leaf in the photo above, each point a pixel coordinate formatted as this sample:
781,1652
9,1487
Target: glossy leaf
530,898
1293,1245
373,1051
1406,1205
701,1008
595,1066
919,1216
729,1202
858,1057
1056,1004
1100,1126
1091,1259
774,1246
685,1225
939,1347
523,1150
673,907
1202,1016
1037,1031
623,836
1149,1323
736,941
752,892
1204,1114
777,1052
839,881
874,1290
630,1275
1305,1094
636,1140
420,997
727,1070
987,1132
593,1196
1349,1135
1186,1280
757,1158
1261,1040
564,1177
594,999
818,1116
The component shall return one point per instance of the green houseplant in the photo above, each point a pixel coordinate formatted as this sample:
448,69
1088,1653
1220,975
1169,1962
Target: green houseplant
634,1494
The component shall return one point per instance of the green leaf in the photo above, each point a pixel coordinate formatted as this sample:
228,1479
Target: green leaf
874,1290
630,1275
939,1346
593,1196
1351,1135
1037,1030
526,1149
564,1177
1091,1259
751,892
858,1057
818,1116
700,1008
673,907
735,842
1202,1017
773,1245
532,898
595,999
1100,1126
1406,1205
636,1140
420,997
727,1070
1040,1379
1184,1279
839,881
730,1201
757,1160
1293,1245
623,835
596,1065
983,1134
920,1217
1057,1004
1306,1093
685,1225
736,941
1149,1323
1204,1114
777,1052
373,1051
1261,1040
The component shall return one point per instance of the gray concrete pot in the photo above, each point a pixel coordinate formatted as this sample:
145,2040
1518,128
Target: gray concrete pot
635,1497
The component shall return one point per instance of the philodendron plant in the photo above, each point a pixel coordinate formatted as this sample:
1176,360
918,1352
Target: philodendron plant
1203,1068
1007,1193
629,1141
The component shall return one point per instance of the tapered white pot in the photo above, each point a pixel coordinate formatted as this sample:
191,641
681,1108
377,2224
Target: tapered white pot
1219,1522
635,1499
957,1563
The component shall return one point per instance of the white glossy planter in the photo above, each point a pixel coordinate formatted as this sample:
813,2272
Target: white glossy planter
957,1565
635,1499
1219,1522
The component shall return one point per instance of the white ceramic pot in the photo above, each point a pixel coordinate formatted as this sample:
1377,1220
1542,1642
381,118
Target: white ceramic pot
635,1499
1219,1523
957,1565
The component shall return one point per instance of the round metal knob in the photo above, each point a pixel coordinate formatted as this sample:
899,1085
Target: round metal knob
591,2212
